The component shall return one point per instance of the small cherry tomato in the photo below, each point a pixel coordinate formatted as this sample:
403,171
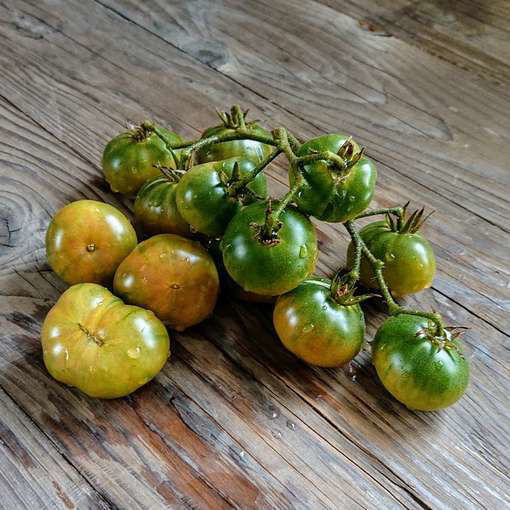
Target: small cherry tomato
244,148
93,341
330,193
316,327
156,210
131,158
206,195
173,276
86,241
419,369
409,261
269,266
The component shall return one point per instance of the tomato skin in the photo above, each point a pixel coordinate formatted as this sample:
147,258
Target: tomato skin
93,341
173,276
409,261
246,149
317,329
326,199
156,210
415,370
128,163
86,240
269,269
202,198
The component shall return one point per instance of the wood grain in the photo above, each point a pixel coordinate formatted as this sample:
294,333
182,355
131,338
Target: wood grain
471,34
234,420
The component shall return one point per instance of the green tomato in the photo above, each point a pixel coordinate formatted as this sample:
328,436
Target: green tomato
409,261
93,341
129,159
245,148
325,193
86,241
315,327
274,267
421,371
156,210
203,198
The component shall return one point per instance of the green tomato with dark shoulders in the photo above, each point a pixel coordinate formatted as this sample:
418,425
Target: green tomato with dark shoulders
203,194
422,371
129,159
316,327
156,209
269,266
243,148
409,260
328,192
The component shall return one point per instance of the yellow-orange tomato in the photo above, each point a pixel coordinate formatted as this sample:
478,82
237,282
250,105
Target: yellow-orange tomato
86,241
173,276
93,341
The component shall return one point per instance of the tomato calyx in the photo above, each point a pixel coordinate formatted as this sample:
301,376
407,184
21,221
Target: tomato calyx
267,233
406,223
236,118
343,288
172,174
446,340
236,186
142,132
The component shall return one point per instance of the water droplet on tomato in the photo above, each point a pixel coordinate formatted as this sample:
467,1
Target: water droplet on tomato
389,257
162,255
308,328
324,307
134,352
175,286
303,251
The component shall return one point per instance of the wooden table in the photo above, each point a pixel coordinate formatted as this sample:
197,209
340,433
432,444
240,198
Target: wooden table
233,420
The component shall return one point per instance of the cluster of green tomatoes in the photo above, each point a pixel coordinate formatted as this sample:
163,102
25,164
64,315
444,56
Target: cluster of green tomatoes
204,210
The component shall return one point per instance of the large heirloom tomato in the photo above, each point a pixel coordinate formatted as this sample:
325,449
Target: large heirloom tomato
269,266
420,370
86,241
330,193
316,327
203,194
156,208
409,261
172,276
131,158
93,341
244,148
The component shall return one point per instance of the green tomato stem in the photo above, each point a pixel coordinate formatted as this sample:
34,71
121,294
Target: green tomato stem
238,134
397,211
327,156
377,266
238,186
271,223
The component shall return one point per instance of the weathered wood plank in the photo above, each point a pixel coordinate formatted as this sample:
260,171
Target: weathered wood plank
34,474
471,34
462,237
